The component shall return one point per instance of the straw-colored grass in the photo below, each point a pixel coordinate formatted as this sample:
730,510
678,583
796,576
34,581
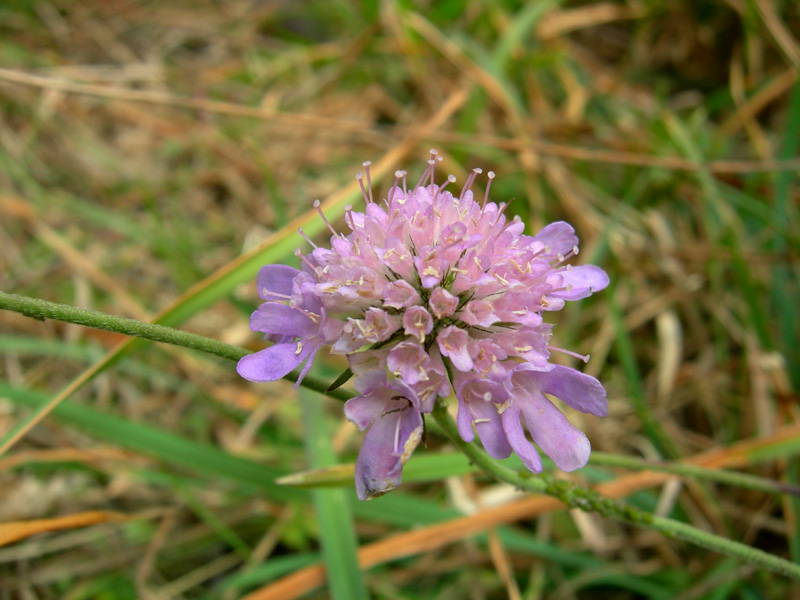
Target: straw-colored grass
151,154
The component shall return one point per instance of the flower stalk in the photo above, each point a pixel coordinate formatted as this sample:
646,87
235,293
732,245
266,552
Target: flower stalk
571,495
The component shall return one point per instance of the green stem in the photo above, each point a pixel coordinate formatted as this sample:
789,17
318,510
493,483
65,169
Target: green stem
734,478
591,501
42,309
568,493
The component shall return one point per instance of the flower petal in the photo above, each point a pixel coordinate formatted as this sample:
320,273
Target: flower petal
278,319
362,410
560,236
452,343
580,391
516,438
388,444
489,426
585,281
567,445
274,362
276,279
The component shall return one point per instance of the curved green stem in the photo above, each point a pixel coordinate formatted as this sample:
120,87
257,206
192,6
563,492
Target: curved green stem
571,495
43,309
589,500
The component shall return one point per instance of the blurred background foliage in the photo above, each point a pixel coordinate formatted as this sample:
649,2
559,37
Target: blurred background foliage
148,146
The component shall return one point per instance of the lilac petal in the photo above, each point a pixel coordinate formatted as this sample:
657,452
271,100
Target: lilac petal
519,443
578,390
387,446
452,343
274,362
560,236
278,319
489,426
406,358
567,445
584,279
464,421
276,279
306,368
362,410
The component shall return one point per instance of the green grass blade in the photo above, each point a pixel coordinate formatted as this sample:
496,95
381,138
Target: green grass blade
337,533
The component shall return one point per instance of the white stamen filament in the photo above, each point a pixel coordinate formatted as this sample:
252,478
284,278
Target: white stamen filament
468,183
428,170
266,292
450,179
397,435
584,357
299,254
317,205
490,175
366,165
306,238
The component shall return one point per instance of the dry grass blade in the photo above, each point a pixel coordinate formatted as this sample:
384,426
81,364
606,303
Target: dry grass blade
429,539
19,530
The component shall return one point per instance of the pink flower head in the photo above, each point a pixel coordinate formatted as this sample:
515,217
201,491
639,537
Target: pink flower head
428,290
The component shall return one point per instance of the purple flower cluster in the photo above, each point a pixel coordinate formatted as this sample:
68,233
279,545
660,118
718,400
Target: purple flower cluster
431,293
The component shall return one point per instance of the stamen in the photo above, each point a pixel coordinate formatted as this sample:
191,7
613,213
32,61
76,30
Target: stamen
266,292
397,436
397,176
299,254
360,179
428,170
348,216
469,182
490,175
435,158
322,215
503,207
585,358
450,179
369,179
306,238
561,258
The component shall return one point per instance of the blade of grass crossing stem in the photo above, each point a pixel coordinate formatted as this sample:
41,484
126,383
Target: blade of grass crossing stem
161,444
337,534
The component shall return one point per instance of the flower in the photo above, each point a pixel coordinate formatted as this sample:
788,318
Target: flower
430,292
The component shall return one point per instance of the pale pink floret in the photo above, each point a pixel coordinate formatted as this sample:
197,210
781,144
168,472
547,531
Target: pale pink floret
431,284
